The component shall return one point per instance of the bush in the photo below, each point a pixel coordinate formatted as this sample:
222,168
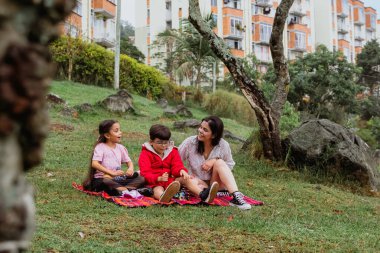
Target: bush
230,105
90,63
290,119
371,132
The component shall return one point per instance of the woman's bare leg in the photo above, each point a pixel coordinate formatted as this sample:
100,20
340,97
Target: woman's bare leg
222,174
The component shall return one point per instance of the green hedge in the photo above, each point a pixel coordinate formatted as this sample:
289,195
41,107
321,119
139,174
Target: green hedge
94,64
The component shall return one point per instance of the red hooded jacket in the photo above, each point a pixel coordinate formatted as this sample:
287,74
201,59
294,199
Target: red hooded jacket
153,166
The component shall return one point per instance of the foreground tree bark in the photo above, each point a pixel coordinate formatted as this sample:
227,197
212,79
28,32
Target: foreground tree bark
26,69
268,114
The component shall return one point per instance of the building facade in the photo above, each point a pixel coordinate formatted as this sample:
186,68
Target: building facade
344,25
246,25
93,20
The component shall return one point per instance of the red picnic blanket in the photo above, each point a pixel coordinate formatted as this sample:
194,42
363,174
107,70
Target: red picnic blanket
147,201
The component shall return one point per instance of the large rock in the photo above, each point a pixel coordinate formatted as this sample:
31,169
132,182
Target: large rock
180,110
325,145
192,123
119,102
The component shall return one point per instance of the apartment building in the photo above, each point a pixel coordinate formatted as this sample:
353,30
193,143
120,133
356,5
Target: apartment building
245,25
344,25
93,20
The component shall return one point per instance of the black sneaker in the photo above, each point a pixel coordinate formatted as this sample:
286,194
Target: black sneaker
146,191
238,200
208,194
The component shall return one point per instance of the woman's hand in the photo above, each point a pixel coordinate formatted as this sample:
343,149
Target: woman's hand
207,165
184,174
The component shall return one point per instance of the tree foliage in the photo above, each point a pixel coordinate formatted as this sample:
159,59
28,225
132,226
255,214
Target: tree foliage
367,59
127,31
188,54
323,83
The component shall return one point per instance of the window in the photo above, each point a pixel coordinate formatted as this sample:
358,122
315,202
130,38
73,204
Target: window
168,5
361,14
215,19
71,30
148,13
214,2
373,21
236,4
253,28
342,36
262,53
235,44
265,32
300,40
236,27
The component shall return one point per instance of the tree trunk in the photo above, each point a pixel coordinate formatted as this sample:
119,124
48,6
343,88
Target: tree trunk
268,115
25,72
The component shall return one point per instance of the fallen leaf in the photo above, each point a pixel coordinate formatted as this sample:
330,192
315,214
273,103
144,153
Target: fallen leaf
49,174
336,211
230,218
81,234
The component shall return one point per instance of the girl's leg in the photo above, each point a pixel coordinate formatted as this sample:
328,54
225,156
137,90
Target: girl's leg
113,187
157,192
222,174
133,183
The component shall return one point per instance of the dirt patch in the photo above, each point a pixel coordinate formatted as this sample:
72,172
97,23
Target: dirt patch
55,127
135,136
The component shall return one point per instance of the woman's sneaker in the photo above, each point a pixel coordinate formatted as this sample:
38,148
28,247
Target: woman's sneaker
208,194
238,200
170,191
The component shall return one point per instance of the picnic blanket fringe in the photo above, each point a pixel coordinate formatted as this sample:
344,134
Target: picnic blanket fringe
148,201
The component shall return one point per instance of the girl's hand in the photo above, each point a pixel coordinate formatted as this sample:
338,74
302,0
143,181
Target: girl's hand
117,173
129,172
184,174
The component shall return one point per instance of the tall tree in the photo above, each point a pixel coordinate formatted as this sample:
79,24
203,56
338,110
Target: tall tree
268,113
127,33
188,54
369,61
26,69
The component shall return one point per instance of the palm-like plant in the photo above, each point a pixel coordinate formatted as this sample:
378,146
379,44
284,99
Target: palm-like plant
188,54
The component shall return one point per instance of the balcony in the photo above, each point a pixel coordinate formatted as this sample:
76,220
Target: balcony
104,8
359,37
360,21
370,29
234,35
264,3
105,39
299,48
343,28
344,13
298,10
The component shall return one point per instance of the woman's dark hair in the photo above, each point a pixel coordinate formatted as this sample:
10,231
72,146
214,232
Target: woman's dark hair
104,127
217,127
159,131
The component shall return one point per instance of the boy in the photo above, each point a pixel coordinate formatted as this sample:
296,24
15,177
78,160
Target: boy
163,170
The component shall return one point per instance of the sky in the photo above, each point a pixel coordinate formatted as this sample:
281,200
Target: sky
128,9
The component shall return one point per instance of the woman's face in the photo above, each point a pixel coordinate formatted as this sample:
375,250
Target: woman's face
204,132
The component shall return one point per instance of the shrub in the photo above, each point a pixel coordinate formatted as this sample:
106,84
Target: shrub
290,119
90,63
230,105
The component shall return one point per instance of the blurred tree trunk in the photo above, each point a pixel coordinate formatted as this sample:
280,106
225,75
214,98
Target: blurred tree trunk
26,69
268,114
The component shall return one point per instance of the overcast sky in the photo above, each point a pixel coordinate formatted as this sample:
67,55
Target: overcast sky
128,9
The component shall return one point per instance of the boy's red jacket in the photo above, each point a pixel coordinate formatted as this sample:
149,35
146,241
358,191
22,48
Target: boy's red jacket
153,166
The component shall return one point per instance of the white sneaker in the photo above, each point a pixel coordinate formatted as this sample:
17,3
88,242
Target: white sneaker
238,201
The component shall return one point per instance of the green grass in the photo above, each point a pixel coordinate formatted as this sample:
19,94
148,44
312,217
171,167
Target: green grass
297,216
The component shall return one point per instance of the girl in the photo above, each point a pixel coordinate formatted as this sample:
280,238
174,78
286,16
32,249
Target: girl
209,159
105,173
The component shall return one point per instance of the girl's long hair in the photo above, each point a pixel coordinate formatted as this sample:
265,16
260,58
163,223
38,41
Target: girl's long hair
217,127
104,127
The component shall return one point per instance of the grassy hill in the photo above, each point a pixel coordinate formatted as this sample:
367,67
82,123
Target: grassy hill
298,215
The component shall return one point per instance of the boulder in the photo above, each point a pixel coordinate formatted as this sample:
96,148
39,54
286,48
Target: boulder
192,123
54,99
85,107
119,102
228,134
182,110
162,102
324,145
69,112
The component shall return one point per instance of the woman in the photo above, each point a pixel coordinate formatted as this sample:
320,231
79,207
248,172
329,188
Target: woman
209,159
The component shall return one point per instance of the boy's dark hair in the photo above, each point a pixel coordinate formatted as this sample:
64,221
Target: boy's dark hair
160,132
217,127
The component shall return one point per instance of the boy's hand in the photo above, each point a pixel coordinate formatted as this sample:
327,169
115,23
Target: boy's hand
184,174
129,172
117,173
164,177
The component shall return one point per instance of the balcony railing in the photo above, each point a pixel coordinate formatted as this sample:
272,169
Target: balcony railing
298,10
106,39
264,3
359,37
343,28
